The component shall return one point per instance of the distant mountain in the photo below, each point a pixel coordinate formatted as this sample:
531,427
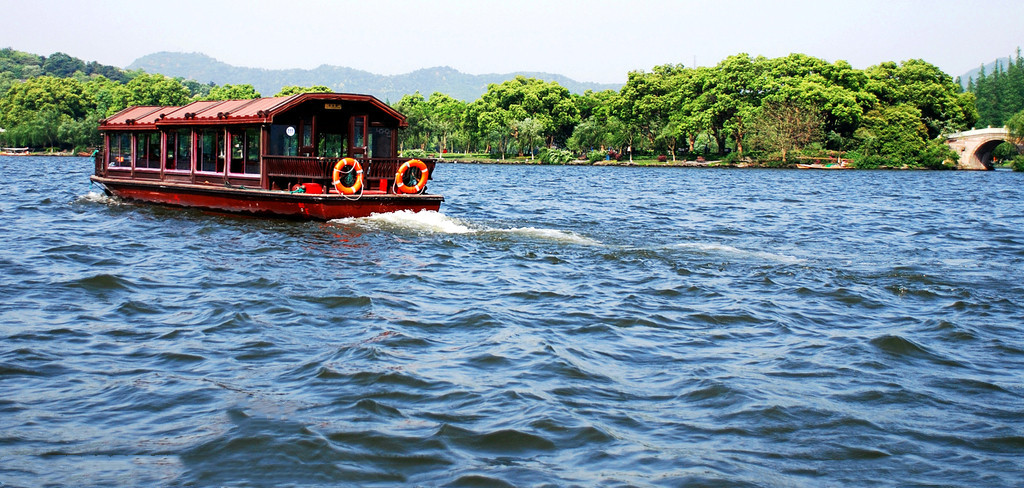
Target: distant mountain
204,69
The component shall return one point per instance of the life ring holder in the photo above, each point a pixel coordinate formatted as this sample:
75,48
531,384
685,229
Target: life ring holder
420,185
339,171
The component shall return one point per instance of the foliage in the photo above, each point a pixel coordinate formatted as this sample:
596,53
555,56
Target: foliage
555,156
26,101
938,155
943,109
786,126
1000,94
417,115
290,90
885,115
1018,163
894,134
414,153
147,89
231,92
1016,127
1005,151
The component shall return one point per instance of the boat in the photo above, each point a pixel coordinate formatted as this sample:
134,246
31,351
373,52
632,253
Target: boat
829,163
14,151
310,156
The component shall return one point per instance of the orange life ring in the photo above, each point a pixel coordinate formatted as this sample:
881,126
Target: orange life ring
339,170
400,177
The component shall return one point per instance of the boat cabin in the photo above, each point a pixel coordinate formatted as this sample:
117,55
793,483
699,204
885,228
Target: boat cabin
265,143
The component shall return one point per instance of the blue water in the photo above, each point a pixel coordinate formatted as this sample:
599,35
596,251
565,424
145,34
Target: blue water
551,326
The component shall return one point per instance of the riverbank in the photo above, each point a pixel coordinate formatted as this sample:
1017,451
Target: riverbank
669,164
54,153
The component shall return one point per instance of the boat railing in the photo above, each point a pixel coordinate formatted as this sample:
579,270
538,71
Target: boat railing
100,162
314,168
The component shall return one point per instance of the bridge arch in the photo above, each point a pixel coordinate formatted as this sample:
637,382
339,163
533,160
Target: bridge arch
975,146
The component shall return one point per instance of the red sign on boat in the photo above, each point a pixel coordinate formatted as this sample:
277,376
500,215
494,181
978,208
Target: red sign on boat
310,156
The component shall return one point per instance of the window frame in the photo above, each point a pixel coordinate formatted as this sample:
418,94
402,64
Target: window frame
144,144
117,140
173,139
250,141
218,137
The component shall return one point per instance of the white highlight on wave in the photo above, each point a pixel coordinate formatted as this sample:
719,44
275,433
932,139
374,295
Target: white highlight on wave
439,223
715,248
98,197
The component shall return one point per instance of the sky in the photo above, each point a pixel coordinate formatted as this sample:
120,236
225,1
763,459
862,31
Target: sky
590,41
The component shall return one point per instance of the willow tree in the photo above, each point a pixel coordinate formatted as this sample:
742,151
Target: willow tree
1016,127
786,126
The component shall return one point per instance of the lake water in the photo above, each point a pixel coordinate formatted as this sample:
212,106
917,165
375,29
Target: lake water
551,326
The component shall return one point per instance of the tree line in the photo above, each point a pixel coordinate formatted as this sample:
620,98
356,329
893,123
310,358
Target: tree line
773,110
57,102
1000,94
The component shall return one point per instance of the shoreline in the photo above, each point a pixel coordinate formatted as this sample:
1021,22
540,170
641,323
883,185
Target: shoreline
54,154
669,164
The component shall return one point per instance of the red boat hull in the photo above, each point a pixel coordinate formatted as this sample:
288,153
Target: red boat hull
260,202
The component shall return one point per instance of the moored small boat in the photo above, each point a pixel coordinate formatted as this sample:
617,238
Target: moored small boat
309,156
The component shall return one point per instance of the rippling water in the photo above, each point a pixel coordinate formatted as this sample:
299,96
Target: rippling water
551,326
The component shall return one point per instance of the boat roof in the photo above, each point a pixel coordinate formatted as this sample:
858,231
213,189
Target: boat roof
221,112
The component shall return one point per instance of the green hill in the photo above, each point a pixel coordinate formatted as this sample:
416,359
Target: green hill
467,87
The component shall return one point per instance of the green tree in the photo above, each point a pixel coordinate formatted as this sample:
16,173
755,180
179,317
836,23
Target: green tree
1015,125
154,89
108,96
527,133
231,92
549,104
287,91
62,65
645,102
445,117
786,126
20,65
417,114
893,136
197,89
942,105
24,101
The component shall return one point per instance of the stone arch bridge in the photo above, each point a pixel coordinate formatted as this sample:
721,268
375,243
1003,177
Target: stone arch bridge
975,146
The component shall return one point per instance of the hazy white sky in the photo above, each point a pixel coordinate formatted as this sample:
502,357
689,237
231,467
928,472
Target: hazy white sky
587,40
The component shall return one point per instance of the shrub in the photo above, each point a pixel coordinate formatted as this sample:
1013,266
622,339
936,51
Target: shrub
860,161
1018,163
937,155
595,156
555,156
662,158
414,153
731,158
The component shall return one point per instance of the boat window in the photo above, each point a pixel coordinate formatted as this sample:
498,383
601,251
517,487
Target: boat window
284,140
144,155
307,134
380,142
245,151
120,153
358,131
211,151
331,145
179,150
